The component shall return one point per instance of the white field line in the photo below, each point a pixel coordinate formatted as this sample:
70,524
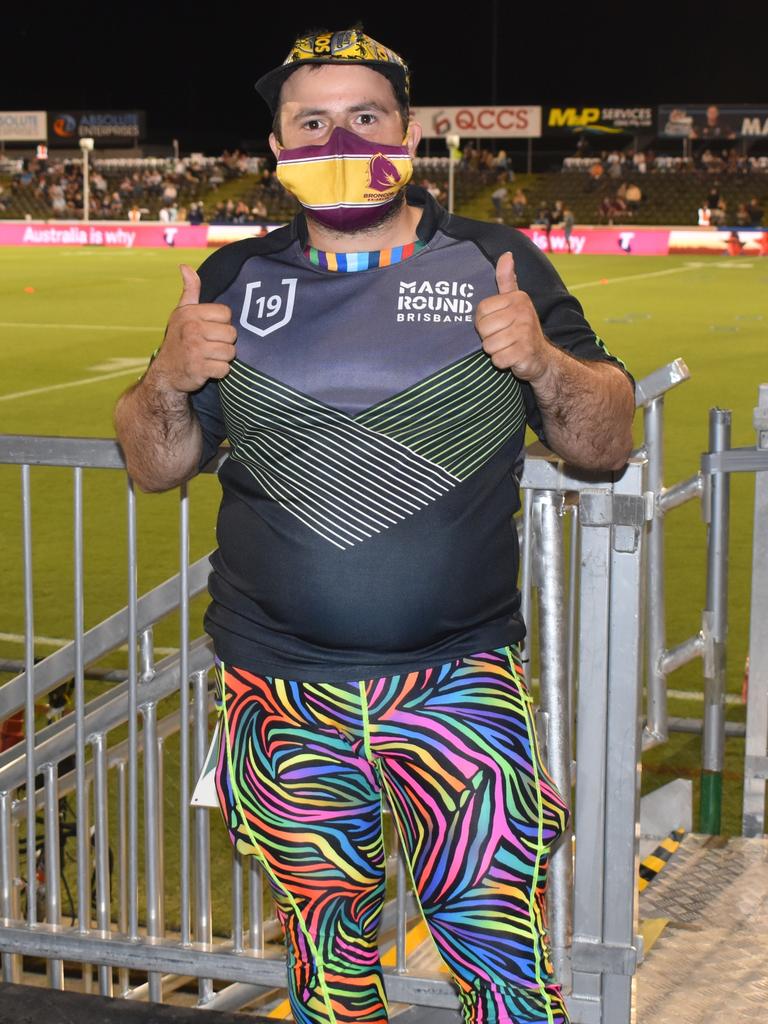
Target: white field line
78,327
60,641
632,277
70,384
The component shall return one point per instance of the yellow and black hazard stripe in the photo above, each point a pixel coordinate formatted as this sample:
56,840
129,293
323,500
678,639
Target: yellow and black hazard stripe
651,865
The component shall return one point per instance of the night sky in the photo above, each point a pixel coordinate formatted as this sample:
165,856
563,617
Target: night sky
194,75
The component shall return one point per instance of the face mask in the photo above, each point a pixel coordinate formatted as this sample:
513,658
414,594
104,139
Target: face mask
349,182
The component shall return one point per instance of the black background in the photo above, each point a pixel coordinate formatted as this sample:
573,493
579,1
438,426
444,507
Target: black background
194,73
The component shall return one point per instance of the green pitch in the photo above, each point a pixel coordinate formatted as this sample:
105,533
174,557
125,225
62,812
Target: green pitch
78,325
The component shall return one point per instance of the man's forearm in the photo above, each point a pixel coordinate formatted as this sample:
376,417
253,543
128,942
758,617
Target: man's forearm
159,434
587,408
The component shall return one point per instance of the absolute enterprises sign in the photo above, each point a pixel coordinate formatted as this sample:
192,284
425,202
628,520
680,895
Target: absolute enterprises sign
106,127
508,122
598,120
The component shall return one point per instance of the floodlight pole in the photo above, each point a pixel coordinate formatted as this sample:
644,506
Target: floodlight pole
86,145
452,142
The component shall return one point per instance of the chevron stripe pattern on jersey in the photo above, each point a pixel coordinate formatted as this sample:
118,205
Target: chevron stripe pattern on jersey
456,418
302,771
348,478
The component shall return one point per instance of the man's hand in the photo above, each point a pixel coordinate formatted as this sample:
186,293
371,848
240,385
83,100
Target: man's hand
586,406
509,326
199,341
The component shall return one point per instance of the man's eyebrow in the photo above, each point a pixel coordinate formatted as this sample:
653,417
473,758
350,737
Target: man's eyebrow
354,109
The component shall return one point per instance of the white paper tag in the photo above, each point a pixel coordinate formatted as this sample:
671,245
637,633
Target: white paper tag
205,794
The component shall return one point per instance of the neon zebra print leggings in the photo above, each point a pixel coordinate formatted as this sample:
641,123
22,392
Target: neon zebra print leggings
301,771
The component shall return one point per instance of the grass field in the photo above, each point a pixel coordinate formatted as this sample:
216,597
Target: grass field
79,324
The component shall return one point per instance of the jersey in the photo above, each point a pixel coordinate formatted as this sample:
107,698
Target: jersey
366,523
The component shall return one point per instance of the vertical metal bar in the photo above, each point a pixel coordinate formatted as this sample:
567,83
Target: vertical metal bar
401,955
184,846
756,745
255,906
623,754
525,573
133,778
52,865
202,837
161,831
81,807
151,839
656,629
554,702
591,739
122,871
29,710
101,851
237,902
84,823
8,844
573,603
716,625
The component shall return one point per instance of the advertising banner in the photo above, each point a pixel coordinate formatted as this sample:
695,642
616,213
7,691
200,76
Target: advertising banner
723,242
22,125
108,234
717,122
105,127
598,120
508,122
604,241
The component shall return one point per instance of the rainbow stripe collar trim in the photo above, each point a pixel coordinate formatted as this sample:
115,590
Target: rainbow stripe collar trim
348,262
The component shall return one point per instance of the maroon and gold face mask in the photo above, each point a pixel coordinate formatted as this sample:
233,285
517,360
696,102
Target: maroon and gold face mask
348,182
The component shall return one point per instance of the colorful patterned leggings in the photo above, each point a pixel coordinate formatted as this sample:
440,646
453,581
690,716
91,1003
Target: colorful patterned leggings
301,772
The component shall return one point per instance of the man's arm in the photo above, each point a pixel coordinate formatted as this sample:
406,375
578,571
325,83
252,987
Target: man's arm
156,426
586,406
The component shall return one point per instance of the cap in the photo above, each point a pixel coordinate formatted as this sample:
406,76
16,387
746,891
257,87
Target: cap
351,46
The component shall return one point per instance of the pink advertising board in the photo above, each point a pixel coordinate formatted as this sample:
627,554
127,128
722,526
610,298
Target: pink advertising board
608,241
109,234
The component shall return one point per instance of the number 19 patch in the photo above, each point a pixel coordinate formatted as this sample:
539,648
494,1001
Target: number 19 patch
262,314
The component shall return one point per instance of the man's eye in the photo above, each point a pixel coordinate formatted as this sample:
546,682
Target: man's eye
367,118
313,125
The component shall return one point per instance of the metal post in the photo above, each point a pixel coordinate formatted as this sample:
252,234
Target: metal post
756,746
715,629
101,851
7,880
255,906
203,928
526,568
122,871
81,798
133,746
656,706
29,710
554,701
184,847
147,654
151,838
52,865
237,902
401,962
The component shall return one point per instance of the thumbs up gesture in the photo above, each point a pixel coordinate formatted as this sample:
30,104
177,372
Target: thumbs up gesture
509,327
199,341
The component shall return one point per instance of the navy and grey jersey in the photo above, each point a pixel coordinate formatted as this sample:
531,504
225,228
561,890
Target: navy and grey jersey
366,521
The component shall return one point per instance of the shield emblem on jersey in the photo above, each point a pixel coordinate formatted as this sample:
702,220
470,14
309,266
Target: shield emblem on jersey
264,312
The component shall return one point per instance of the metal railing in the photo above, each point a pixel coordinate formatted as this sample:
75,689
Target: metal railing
590,588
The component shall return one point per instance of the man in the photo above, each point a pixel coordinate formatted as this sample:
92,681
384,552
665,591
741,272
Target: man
373,365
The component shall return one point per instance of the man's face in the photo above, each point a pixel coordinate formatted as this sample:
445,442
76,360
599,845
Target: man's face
712,114
318,98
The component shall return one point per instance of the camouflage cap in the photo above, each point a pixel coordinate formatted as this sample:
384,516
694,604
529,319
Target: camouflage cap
351,46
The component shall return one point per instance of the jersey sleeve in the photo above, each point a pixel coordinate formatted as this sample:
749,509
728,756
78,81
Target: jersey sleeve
561,315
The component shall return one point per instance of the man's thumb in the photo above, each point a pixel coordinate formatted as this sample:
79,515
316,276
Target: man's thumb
506,279
191,291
